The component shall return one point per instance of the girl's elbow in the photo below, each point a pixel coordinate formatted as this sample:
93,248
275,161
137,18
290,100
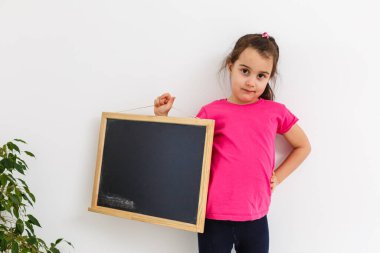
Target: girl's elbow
307,148
306,145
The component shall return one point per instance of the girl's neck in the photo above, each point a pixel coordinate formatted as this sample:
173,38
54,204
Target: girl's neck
230,100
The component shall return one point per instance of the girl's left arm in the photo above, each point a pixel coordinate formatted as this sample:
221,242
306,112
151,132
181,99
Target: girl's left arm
301,149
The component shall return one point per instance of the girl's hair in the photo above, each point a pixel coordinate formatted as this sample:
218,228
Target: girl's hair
266,47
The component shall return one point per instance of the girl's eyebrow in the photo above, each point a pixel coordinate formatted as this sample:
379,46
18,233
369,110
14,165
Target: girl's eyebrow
250,68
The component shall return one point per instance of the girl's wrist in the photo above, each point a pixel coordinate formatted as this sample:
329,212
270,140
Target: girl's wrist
278,178
157,114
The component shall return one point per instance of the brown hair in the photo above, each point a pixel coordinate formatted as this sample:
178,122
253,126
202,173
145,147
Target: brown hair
265,46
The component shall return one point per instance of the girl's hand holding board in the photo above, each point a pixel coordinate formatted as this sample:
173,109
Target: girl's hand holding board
273,182
163,104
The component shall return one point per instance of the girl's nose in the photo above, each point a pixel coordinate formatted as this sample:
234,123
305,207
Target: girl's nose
251,82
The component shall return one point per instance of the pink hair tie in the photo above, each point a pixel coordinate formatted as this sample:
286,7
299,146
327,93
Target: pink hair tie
265,35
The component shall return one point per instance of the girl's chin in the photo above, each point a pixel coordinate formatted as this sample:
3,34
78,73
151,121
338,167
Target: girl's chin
248,97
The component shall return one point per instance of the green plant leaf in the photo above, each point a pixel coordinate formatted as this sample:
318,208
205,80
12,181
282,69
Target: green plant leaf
3,244
69,243
19,168
15,248
29,153
27,199
33,220
19,140
30,232
3,179
42,242
7,207
10,188
11,179
18,193
19,226
15,211
13,146
7,163
58,241
54,250
23,182
30,226
14,199
31,240
26,188
31,195
22,161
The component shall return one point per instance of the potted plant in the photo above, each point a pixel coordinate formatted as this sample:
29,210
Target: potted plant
16,224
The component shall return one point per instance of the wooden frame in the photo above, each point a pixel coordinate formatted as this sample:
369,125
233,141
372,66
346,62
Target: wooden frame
199,226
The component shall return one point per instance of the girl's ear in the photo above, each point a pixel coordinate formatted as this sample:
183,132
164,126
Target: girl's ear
229,66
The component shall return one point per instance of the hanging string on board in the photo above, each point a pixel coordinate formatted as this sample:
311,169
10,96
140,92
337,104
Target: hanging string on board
132,109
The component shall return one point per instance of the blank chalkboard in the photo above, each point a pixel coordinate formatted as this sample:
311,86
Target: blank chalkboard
153,169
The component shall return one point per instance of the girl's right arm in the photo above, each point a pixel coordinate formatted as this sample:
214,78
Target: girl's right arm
163,104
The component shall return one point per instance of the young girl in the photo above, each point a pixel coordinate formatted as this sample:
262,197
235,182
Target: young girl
242,176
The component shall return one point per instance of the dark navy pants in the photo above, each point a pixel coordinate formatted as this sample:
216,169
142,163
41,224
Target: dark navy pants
247,236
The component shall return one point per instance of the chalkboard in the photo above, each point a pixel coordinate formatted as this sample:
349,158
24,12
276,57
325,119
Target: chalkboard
153,169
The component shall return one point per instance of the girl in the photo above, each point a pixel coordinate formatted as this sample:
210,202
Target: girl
242,176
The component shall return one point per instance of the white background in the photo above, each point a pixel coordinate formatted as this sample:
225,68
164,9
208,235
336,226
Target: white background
62,63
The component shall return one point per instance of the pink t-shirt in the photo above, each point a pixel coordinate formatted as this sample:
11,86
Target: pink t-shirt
243,156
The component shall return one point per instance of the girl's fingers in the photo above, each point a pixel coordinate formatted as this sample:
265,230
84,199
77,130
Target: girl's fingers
164,102
159,101
273,178
165,95
164,98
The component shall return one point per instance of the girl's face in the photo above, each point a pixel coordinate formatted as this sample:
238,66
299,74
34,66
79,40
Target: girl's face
249,76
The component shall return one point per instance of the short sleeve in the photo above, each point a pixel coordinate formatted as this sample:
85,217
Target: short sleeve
202,113
286,120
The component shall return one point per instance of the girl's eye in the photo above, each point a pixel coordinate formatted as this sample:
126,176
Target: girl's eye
261,76
245,71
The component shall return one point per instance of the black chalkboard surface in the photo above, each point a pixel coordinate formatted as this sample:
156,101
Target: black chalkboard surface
153,169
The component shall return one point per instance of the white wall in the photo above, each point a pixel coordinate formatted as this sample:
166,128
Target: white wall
62,63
